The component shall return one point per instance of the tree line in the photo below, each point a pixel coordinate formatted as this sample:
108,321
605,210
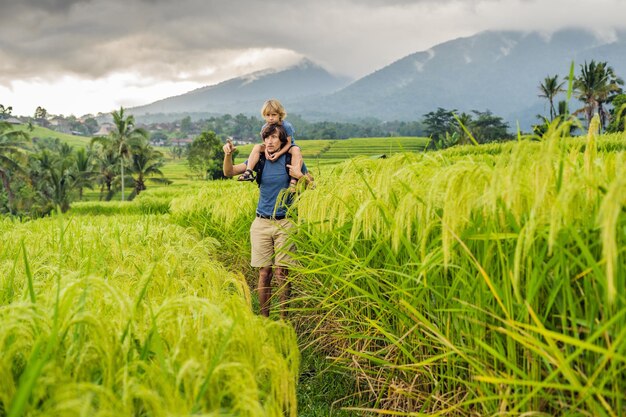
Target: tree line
247,128
41,175
597,86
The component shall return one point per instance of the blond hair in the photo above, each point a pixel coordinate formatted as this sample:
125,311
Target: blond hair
273,105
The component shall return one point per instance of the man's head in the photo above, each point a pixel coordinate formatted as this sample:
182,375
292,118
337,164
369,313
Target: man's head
274,137
273,111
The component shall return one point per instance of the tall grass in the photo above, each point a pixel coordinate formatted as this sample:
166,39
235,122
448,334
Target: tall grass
474,281
129,315
223,210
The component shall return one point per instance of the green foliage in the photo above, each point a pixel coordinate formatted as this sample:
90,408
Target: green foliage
40,113
349,148
128,144
128,316
88,127
13,143
486,127
549,89
241,127
489,274
205,156
596,85
146,163
41,133
185,125
159,137
618,114
446,129
55,176
5,111
223,210
438,123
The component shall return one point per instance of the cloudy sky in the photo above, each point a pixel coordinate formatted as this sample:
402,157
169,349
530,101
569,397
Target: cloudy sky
89,56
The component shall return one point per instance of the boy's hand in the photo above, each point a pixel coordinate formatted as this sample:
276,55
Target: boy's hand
270,156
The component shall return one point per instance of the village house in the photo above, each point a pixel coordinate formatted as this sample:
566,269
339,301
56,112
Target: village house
105,129
13,121
181,142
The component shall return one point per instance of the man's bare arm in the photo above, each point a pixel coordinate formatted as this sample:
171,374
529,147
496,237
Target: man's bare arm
229,169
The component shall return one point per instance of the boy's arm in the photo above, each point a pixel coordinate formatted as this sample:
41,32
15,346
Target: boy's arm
296,155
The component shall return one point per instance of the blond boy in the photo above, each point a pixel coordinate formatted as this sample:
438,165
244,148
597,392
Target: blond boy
274,113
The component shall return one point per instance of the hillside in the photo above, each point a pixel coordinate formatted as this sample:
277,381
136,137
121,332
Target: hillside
246,94
498,71
43,133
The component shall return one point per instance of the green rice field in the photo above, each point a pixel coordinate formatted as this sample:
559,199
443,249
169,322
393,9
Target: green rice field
43,133
349,148
474,281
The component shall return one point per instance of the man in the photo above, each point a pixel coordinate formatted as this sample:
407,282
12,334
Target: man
269,230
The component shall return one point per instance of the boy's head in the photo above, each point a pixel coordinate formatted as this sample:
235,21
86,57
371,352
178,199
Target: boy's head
273,111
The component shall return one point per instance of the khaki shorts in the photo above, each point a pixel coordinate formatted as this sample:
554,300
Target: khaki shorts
269,242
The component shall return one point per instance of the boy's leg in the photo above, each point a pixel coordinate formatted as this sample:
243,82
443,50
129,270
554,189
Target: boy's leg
255,154
253,159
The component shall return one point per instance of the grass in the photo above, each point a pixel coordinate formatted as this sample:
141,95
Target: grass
349,148
331,151
130,316
471,282
479,280
43,133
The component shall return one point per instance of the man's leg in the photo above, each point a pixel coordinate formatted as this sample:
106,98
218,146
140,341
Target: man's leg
285,289
283,250
265,289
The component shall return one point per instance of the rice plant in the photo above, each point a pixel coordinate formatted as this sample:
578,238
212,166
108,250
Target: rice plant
130,315
474,281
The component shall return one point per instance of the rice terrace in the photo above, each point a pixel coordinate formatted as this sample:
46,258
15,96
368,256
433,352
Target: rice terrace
472,280
445,266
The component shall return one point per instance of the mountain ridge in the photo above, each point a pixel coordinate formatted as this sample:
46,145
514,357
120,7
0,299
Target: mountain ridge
499,71
246,93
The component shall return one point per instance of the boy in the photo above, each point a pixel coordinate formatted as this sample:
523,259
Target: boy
274,113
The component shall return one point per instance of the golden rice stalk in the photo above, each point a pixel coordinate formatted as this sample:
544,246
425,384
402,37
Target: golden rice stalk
612,206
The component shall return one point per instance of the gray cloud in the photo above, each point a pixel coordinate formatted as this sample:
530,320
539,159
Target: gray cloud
180,39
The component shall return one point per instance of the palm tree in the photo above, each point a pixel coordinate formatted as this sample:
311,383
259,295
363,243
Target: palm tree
85,169
586,86
610,87
123,139
12,145
550,88
107,163
146,162
595,86
55,176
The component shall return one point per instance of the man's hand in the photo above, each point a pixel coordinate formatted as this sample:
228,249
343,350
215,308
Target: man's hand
229,147
295,171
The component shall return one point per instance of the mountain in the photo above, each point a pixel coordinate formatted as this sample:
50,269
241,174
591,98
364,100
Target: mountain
497,71
246,94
